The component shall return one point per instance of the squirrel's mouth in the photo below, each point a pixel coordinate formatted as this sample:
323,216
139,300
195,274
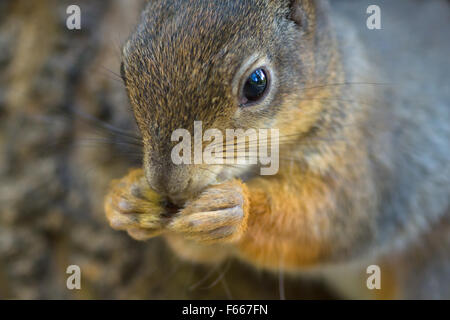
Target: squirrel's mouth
170,208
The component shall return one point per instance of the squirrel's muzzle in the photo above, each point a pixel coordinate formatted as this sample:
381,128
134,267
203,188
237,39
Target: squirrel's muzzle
168,179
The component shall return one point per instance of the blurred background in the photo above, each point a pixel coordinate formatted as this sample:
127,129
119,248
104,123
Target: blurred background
56,164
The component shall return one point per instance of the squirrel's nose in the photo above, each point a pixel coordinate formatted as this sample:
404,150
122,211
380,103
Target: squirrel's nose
168,180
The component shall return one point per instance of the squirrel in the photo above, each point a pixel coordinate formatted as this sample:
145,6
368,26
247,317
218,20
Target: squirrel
364,172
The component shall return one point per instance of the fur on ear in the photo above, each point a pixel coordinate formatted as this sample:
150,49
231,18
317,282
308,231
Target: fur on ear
302,12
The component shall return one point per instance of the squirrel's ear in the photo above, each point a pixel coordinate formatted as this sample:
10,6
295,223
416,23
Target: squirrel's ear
302,12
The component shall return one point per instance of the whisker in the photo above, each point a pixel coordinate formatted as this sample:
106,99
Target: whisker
282,140
106,125
113,142
281,287
226,288
112,73
346,84
206,277
220,277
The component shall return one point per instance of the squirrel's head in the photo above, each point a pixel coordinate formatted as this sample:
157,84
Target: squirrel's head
231,64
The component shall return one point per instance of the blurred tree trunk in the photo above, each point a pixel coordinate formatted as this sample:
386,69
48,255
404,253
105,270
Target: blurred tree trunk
55,167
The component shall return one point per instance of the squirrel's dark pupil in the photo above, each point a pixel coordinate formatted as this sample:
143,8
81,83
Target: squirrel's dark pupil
255,86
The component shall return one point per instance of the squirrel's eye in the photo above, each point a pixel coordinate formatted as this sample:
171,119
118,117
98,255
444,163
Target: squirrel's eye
255,87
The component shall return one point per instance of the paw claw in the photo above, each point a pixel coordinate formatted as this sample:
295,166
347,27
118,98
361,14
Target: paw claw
125,206
217,215
126,209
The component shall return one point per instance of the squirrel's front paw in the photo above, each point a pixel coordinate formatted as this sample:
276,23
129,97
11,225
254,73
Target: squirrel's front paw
219,214
132,206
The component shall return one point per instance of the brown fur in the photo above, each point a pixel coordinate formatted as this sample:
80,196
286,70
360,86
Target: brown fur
327,205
